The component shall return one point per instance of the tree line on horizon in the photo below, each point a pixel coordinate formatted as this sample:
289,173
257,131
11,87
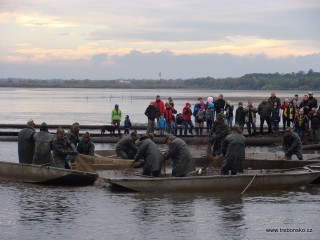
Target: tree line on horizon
253,81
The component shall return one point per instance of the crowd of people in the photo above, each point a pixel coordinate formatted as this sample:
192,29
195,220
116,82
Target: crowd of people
301,115
59,150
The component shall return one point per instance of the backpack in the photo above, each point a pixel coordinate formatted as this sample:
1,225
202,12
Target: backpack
200,114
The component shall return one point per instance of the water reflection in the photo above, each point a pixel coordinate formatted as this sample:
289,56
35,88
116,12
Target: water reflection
43,204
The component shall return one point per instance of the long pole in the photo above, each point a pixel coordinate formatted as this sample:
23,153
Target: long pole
249,184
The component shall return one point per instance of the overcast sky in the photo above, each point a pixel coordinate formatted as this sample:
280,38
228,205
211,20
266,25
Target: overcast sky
102,39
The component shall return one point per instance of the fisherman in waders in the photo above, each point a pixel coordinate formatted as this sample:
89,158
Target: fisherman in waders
291,144
126,148
26,143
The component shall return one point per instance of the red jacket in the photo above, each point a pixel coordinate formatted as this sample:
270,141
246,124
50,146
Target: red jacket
187,113
159,108
168,113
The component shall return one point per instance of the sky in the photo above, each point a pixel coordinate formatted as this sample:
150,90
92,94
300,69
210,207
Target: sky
139,39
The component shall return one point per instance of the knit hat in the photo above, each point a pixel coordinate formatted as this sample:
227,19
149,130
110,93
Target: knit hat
44,126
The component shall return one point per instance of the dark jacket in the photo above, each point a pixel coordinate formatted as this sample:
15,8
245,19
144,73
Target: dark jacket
291,144
315,120
229,111
219,105
74,138
127,145
306,107
43,146
86,148
26,145
275,114
61,148
127,124
240,118
151,112
182,162
264,110
271,101
151,154
233,148
313,103
219,131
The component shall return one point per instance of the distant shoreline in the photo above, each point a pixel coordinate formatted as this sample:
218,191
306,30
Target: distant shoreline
256,81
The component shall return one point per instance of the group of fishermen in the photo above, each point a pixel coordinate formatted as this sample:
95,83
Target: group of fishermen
43,148
130,147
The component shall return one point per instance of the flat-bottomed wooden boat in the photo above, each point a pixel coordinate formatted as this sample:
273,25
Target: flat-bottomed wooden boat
44,174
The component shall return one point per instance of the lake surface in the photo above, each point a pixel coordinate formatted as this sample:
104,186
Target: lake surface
29,211
94,106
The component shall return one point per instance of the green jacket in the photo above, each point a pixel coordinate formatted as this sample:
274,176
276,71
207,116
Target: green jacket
116,115
86,148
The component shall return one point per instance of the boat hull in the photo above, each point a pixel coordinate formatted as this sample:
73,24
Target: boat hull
236,183
44,175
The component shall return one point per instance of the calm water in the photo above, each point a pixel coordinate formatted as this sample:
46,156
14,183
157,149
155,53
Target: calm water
45,212
94,106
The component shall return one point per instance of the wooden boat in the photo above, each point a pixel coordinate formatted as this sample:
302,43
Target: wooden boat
44,174
215,183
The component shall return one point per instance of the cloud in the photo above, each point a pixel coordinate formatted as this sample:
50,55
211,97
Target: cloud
141,65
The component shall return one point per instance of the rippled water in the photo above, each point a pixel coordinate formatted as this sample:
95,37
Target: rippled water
94,106
29,211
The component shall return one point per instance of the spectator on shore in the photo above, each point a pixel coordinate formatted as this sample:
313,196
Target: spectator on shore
187,113
127,125
179,124
229,114
219,105
264,110
275,118
151,113
159,105
210,116
43,142
305,105
284,107
168,115
240,116
301,125
314,117
86,146
291,113
296,102
273,99
26,143
250,118
161,125
116,117
199,115
170,101
313,103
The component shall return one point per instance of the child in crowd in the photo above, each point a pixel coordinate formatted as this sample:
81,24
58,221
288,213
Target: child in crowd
275,118
127,125
161,125
301,123
199,115
179,124
210,116
285,119
240,117
290,113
